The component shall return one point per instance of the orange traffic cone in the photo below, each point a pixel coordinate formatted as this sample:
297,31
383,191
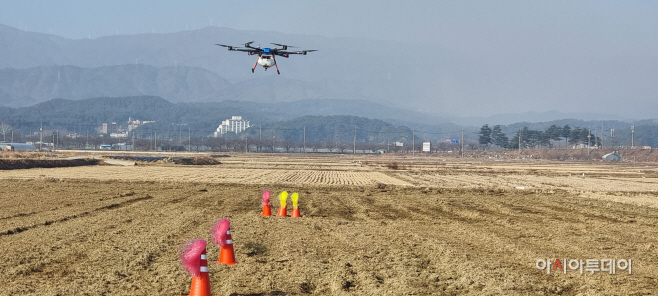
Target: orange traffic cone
267,208
267,211
221,235
194,260
295,213
201,283
283,209
226,254
295,207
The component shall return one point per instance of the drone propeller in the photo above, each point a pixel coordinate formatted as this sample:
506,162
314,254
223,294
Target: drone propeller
228,46
248,45
284,46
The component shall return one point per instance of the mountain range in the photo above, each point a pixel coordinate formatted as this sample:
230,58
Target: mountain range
187,66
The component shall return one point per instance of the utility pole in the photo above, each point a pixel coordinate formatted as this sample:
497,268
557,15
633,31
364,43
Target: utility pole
354,150
180,134
519,141
304,139
462,150
589,141
413,143
632,136
41,136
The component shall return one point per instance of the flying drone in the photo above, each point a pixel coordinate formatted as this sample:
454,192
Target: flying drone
266,56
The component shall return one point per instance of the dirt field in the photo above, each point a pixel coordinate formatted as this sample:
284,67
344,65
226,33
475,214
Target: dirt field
434,226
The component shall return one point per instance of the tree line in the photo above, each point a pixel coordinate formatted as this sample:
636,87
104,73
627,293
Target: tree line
526,138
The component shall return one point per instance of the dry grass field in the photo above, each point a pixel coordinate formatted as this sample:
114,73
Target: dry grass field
433,226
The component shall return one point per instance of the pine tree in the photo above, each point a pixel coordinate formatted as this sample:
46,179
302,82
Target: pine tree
485,135
566,131
499,138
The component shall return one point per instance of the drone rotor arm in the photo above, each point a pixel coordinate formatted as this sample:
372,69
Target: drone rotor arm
302,52
248,45
227,46
284,46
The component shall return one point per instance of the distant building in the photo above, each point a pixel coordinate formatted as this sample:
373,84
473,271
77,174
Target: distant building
122,146
135,123
17,147
109,128
234,125
119,135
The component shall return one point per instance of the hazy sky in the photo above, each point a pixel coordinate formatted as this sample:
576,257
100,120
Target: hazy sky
468,25
596,51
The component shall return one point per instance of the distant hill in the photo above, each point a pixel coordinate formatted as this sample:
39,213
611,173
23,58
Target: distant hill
343,68
202,117
337,128
26,87
324,118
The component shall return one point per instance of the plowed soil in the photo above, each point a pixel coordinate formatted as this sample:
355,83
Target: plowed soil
432,227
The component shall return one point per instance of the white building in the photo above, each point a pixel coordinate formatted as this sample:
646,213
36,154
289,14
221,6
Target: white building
135,123
234,125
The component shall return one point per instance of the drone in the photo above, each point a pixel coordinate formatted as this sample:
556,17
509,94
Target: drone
266,56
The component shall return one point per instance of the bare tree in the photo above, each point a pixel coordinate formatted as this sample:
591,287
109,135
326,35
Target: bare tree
288,145
237,144
330,146
341,147
252,143
4,129
315,146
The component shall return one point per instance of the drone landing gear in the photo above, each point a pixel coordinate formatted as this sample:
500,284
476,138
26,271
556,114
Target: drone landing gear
252,69
275,65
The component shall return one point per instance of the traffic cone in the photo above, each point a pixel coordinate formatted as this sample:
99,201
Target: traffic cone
295,207
194,260
201,283
283,209
222,236
267,208
295,213
267,211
